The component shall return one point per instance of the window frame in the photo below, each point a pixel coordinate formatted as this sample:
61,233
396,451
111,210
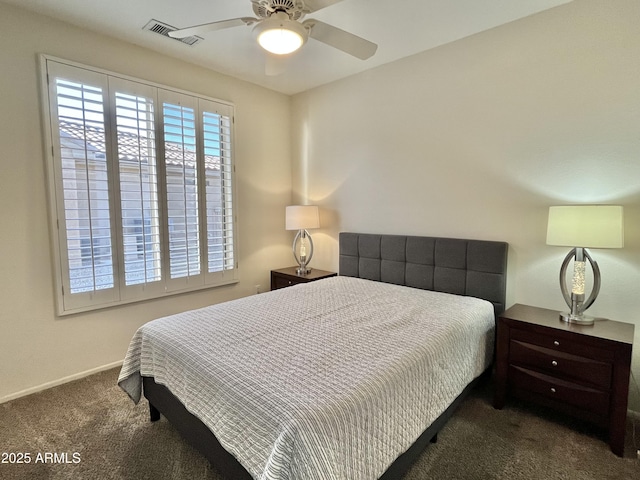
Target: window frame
69,303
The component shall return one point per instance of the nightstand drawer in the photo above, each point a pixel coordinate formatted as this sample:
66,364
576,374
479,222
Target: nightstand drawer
558,363
559,341
586,398
281,282
286,277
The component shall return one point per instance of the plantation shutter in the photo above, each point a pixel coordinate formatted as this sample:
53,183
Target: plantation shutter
141,188
218,168
133,105
181,154
80,148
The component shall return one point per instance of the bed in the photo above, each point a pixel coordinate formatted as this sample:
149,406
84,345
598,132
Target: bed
337,378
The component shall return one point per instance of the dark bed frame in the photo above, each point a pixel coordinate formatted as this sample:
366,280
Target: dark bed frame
475,268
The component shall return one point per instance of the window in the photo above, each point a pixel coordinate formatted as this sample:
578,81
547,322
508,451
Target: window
141,188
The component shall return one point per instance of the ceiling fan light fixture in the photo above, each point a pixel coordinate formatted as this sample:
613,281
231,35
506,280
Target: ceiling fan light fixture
280,41
280,35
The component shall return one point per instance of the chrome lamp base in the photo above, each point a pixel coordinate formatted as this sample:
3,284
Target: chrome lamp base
303,270
577,319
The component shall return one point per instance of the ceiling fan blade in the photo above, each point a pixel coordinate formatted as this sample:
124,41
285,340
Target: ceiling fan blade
338,38
314,5
209,27
275,65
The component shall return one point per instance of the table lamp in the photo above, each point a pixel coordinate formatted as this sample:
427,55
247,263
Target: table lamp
582,227
302,217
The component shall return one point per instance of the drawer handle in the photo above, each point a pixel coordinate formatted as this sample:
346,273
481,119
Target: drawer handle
554,363
553,390
556,343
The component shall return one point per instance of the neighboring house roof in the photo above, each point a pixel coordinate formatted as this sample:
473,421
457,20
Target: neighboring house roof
130,145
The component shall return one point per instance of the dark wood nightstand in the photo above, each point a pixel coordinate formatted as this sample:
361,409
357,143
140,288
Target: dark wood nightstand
580,370
285,277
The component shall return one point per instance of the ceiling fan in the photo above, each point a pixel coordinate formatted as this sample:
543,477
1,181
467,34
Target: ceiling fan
279,30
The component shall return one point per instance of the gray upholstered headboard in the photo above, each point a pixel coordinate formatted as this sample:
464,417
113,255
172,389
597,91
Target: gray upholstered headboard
477,268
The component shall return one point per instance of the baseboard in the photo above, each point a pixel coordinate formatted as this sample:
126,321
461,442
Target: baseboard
55,383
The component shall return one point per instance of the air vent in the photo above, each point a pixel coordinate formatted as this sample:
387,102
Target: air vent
163,29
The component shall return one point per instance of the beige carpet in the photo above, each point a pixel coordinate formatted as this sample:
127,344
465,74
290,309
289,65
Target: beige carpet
113,439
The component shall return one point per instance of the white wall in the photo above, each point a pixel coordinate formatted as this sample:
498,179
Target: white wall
476,139
36,347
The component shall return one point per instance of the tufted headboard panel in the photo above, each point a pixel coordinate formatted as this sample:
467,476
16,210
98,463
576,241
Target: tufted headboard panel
477,268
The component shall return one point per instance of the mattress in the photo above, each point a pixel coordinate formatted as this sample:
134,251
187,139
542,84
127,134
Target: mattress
329,379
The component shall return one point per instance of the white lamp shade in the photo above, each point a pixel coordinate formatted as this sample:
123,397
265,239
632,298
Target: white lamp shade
300,217
590,226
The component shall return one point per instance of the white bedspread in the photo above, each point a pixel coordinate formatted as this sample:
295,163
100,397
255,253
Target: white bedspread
331,379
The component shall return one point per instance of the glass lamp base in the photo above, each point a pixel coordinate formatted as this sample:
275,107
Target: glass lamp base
577,319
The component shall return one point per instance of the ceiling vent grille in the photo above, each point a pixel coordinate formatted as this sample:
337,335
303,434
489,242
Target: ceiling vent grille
163,29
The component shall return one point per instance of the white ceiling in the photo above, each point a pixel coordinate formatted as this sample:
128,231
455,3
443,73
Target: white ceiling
399,27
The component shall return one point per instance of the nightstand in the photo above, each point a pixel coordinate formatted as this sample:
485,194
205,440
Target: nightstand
579,370
285,277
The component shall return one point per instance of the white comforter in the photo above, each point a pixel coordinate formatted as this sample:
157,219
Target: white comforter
331,379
